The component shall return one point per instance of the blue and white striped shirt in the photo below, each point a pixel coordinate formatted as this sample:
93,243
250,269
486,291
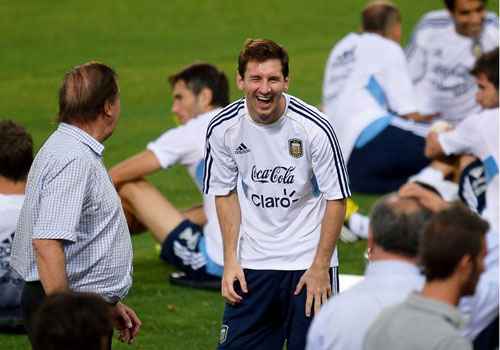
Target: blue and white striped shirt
70,197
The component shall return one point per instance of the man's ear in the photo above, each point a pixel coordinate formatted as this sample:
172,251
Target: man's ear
107,108
205,97
370,241
287,81
464,266
239,81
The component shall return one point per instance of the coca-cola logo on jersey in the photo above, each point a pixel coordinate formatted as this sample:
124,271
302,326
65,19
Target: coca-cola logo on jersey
276,175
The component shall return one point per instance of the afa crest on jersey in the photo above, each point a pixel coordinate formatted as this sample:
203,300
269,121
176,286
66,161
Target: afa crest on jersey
295,148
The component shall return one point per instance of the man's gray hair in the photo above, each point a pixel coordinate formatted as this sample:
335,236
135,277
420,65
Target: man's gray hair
396,224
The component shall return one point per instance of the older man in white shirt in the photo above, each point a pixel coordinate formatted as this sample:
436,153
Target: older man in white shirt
390,276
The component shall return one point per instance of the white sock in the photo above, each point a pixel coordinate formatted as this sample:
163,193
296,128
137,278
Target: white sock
358,224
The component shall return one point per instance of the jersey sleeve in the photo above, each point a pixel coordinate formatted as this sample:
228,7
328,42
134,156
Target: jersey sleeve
328,164
62,197
221,171
175,145
462,139
416,56
396,82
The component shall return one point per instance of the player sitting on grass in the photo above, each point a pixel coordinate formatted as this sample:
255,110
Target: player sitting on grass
468,170
191,240
16,156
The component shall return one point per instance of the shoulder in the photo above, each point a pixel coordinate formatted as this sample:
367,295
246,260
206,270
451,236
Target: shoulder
348,40
491,20
453,341
306,113
435,19
433,23
387,49
314,122
226,118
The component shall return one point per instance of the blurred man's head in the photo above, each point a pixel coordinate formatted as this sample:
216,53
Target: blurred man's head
77,321
198,89
382,17
263,77
396,224
89,92
453,246
16,151
468,16
486,72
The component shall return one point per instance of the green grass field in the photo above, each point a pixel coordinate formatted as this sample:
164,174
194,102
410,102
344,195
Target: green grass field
145,42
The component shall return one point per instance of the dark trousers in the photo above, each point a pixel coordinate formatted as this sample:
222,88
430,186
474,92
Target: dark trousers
386,162
32,297
488,338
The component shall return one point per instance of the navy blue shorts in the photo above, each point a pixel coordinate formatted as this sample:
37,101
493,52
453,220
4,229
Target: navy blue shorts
472,186
269,314
185,249
385,162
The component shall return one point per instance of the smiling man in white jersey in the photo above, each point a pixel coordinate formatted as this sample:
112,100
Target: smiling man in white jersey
191,240
444,47
276,168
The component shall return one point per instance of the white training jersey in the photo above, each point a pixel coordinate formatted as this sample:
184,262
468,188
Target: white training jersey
478,135
10,208
185,145
285,172
440,59
366,78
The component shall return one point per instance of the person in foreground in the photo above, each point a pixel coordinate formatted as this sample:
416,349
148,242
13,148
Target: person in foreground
77,321
451,252
191,240
72,233
395,227
276,169
16,156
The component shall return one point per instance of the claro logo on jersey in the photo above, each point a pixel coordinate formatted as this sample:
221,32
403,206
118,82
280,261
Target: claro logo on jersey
284,201
276,175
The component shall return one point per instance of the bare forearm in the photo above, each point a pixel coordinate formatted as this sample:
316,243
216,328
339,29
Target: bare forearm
330,231
433,148
228,212
135,167
51,264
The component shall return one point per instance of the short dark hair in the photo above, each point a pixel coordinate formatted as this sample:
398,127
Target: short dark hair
85,91
396,224
487,64
203,75
16,151
378,17
80,321
450,4
261,50
450,235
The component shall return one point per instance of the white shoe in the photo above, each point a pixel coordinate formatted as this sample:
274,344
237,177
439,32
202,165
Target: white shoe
347,236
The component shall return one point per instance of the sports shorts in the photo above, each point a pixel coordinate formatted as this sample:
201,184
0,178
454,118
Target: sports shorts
472,186
185,249
269,313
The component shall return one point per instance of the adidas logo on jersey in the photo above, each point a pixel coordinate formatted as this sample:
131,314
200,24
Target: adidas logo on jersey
241,149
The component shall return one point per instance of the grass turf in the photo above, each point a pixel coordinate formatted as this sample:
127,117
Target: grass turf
145,42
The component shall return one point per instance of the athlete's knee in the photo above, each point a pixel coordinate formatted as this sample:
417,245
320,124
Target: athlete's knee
130,190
